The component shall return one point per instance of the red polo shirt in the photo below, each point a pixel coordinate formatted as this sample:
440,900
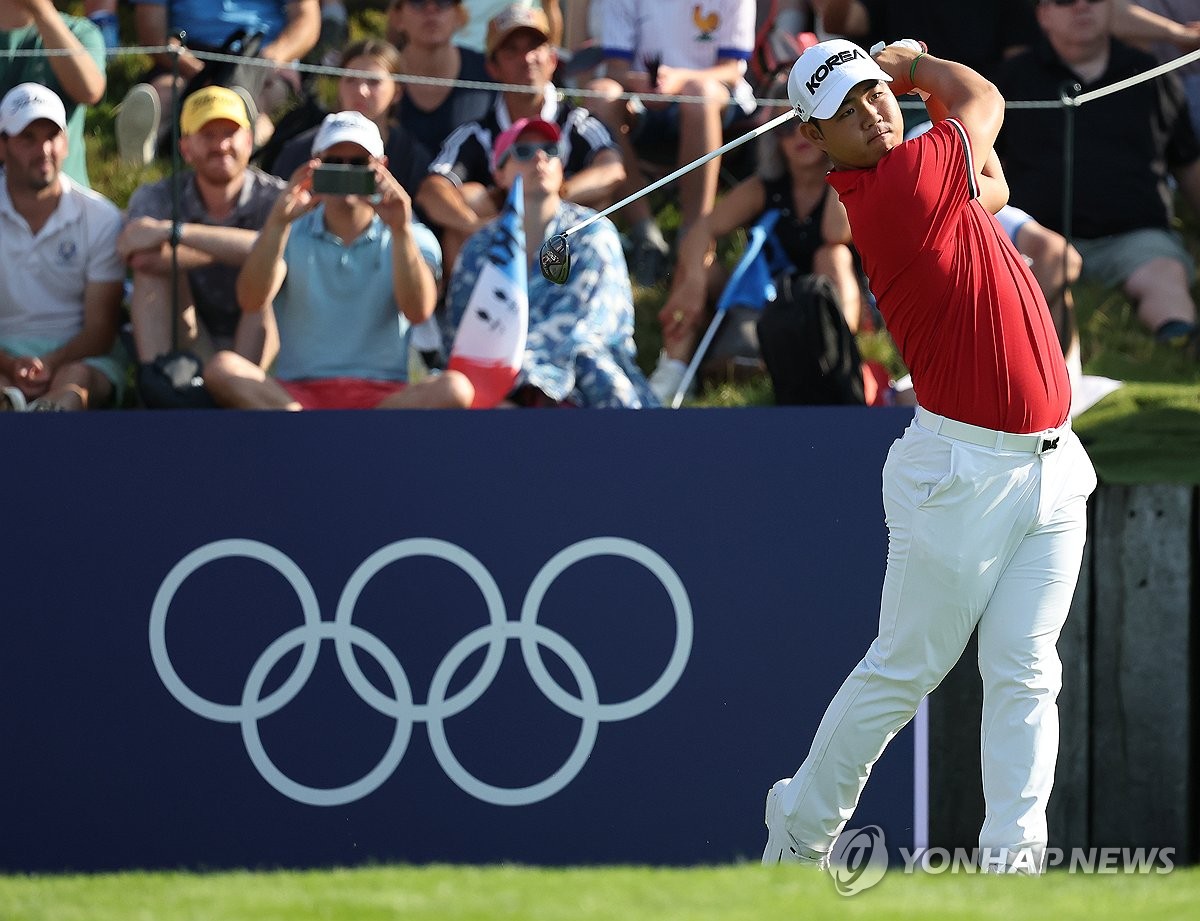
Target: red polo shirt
960,303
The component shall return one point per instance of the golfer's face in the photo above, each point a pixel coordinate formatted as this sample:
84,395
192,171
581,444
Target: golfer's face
866,126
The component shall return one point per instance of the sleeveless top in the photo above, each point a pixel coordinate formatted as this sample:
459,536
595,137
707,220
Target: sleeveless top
798,236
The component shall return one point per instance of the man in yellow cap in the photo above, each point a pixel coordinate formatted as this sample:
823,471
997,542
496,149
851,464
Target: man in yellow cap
222,204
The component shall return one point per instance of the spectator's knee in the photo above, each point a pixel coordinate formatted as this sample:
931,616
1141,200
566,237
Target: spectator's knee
1160,275
459,390
609,90
221,367
714,93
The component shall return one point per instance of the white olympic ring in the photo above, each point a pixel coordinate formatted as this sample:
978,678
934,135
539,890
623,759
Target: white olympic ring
402,706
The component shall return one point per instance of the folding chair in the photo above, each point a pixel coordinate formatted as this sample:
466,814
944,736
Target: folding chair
751,285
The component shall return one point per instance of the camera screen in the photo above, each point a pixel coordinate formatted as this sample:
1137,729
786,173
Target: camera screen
343,179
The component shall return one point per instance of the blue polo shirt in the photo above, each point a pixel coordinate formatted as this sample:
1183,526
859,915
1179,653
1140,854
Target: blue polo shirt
336,310
209,23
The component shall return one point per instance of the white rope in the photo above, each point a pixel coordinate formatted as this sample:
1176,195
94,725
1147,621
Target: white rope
323,70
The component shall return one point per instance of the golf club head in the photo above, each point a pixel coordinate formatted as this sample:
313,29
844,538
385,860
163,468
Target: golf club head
555,259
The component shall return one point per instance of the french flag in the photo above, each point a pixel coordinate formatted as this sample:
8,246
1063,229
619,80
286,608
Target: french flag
490,341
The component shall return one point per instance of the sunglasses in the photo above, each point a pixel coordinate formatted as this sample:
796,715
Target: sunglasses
347,161
1068,2
524,152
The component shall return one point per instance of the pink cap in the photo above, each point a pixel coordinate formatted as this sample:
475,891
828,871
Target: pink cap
548,130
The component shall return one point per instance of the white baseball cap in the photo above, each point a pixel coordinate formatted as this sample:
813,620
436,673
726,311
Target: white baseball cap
825,73
26,103
353,127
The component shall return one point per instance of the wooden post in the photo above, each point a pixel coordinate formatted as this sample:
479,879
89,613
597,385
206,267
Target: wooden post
1142,691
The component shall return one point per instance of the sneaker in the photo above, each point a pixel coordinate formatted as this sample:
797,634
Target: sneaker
1181,335
251,109
667,377
42,405
12,400
781,846
138,118
649,260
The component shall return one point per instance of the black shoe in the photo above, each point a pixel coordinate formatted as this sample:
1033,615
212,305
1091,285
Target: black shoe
434,360
648,261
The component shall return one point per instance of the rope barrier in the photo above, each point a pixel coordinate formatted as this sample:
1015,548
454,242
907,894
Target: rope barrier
324,70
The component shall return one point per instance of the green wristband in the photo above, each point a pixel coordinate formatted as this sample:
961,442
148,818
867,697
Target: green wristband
912,68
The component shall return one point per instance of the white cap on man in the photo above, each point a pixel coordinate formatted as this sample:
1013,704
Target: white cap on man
825,73
352,127
26,103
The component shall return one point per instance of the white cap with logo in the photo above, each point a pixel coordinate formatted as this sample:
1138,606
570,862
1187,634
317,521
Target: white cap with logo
353,127
26,103
825,73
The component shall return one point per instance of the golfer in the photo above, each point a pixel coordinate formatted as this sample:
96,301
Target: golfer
985,493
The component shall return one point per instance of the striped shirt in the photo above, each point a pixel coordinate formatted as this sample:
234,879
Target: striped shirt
466,156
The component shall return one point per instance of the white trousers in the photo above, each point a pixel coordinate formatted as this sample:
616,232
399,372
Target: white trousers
976,538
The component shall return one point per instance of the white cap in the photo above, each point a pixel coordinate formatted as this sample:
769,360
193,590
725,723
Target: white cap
825,73
353,127
28,102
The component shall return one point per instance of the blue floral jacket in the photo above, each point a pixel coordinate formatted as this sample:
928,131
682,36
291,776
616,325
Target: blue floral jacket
580,346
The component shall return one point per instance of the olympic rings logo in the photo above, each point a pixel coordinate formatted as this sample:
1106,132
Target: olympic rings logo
400,704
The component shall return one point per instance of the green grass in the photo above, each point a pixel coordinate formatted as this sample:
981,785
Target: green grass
728,893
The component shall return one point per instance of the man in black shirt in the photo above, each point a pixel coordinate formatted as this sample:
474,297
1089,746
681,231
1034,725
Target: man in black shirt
1126,144
459,195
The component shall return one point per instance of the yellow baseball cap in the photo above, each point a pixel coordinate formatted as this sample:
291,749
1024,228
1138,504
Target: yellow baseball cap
211,103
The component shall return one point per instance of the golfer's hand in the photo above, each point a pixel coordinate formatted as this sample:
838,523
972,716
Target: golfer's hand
896,60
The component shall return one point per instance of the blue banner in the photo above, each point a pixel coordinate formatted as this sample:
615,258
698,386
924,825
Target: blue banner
327,638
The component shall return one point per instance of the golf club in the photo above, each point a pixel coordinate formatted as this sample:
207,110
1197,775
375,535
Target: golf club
554,257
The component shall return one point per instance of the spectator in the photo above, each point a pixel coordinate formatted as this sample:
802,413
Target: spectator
290,29
338,352
673,47
813,232
78,78
481,12
1121,220
374,94
222,203
60,278
423,28
458,195
580,349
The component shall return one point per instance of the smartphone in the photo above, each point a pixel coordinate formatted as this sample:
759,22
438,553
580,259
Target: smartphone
343,179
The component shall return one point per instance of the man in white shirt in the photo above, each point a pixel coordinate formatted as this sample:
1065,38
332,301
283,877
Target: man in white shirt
60,276
673,48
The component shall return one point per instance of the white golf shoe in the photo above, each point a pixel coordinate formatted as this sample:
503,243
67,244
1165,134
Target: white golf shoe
781,846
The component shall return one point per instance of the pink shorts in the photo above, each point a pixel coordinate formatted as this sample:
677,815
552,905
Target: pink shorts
341,392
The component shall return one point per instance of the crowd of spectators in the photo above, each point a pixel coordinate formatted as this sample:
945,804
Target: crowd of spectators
241,283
